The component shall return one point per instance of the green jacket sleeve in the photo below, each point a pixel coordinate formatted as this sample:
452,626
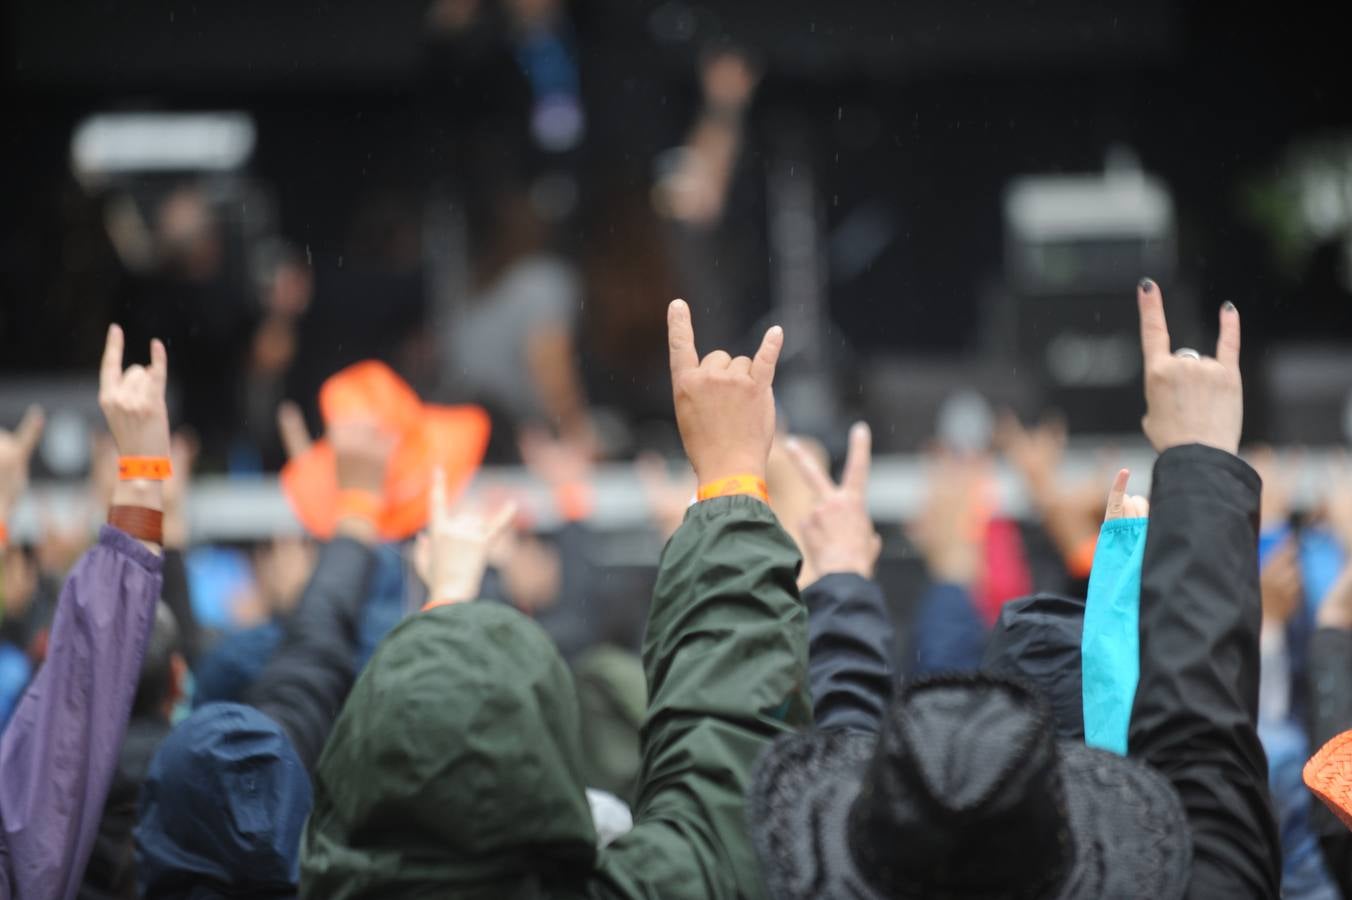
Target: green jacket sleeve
726,661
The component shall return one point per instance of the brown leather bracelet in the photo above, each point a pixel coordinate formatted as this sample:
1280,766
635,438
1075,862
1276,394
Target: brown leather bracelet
140,522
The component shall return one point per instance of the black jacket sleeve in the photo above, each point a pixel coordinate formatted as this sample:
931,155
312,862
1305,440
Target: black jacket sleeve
304,685
850,667
1197,699
1330,664
176,596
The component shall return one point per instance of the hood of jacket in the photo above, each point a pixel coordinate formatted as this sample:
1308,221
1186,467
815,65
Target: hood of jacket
454,770
223,808
1037,639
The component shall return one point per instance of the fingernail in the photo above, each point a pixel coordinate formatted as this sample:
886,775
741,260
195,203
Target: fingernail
1146,285
1229,307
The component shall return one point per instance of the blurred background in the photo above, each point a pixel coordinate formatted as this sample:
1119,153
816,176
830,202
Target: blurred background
946,204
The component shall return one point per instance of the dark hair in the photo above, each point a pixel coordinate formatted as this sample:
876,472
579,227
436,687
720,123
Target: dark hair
157,671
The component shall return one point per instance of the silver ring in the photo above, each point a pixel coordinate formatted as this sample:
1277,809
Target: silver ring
1187,353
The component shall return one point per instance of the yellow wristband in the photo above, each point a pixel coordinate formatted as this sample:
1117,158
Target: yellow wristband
734,485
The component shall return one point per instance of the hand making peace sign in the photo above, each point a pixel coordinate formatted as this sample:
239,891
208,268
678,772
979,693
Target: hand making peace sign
838,532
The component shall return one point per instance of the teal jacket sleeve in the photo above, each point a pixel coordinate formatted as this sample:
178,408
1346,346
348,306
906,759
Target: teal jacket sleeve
725,656
1110,649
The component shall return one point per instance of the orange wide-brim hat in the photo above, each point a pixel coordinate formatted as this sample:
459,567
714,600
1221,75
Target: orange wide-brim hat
1328,775
453,437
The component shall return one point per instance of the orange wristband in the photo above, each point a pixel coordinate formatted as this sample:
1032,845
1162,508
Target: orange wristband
733,485
359,504
433,604
148,468
4,535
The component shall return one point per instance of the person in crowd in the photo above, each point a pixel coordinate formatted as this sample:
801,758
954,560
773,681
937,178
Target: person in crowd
965,789
228,790
467,706
59,754
514,345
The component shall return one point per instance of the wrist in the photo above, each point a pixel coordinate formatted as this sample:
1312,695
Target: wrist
139,492
707,471
844,566
732,484
452,589
358,511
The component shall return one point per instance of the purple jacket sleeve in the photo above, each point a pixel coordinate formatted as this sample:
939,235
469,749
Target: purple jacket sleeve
58,754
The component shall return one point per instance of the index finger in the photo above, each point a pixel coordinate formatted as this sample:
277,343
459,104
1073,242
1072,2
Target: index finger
858,459
1227,345
1154,327
1117,495
29,430
681,338
110,370
808,467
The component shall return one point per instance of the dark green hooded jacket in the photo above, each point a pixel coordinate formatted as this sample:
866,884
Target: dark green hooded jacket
454,770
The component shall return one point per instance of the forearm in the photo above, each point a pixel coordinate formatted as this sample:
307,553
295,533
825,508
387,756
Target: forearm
850,652
146,494
1194,716
60,749
726,661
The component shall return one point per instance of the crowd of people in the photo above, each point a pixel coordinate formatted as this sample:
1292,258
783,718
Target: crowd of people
788,729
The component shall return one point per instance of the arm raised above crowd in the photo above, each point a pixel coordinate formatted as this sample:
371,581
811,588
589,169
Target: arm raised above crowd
851,644
1195,712
725,654
59,751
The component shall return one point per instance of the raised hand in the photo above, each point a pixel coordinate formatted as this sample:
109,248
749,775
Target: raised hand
1189,398
16,450
452,555
838,535
1122,505
133,401
725,407
134,407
